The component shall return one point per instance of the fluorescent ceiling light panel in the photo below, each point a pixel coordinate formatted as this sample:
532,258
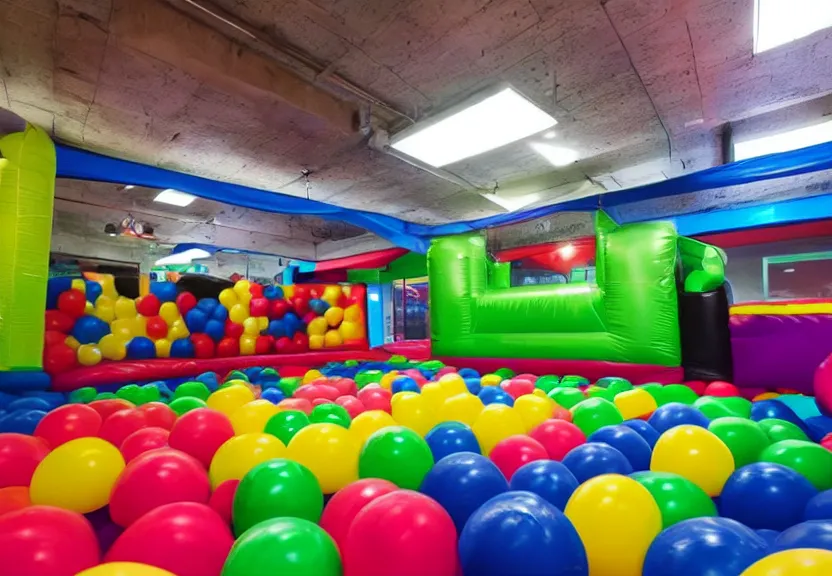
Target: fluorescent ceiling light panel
555,155
174,197
185,257
785,141
779,22
495,121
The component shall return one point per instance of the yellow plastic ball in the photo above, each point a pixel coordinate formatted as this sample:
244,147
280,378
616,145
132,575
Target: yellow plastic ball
332,339
88,355
334,316
353,313
288,291
635,403
533,410
349,330
453,384
108,286
242,287
105,309
796,562
72,342
262,323
162,348
77,476
399,395
125,308
238,313
496,422
240,454
464,408
229,399
140,326
411,411
766,396
124,569
363,425
311,376
112,347
89,309
316,342
330,451
331,295
491,380
251,327
123,329
79,284
248,344
386,381
317,327
434,396
696,454
617,519
252,416
228,298
169,312
178,330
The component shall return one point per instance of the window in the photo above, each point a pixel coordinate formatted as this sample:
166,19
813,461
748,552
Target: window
784,141
778,22
806,275
410,309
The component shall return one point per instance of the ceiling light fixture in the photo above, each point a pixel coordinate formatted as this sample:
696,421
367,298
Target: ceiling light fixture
174,197
788,270
555,155
777,22
129,187
473,129
784,142
185,257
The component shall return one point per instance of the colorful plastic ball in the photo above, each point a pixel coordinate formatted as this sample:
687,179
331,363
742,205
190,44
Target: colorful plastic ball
745,438
200,433
154,479
252,416
334,316
89,330
14,498
222,499
58,358
148,305
451,438
678,498
157,327
766,495
694,453
704,546
594,413
240,454
186,404
558,437
120,424
345,505
495,395
73,303
330,451
778,430
513,452
169,312
801,562
108,407
628,442
397,454
811,460
330,414
141,348
533,410
496,422
67,423
46,541
675,414
78,475
549,479
89,355
229,399
20,455
158,414
403,533
595,459
617,519
142,441
273,489
815,534
819,507
463,482
285,424
520,533
368,422
284,546
185,538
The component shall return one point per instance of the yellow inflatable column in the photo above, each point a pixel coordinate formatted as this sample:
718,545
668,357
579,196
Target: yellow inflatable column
27,190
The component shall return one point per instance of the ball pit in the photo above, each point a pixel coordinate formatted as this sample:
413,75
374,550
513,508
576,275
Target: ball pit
407,468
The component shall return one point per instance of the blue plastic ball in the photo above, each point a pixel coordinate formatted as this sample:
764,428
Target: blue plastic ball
89,329
54,288
495,395
276,329
468,373
208,305
811,534
291,322
220,313
766,495
474,386
404,384
549,479
273,292
92,290
196,319
644,430
628,442
21,421
773,409
819,507
675,414
164,291
521,533
451,438
210,379
273,395
29,404
768,535
704,546
318,306
253,372
215,329
141,348
595,458
182,348
463,482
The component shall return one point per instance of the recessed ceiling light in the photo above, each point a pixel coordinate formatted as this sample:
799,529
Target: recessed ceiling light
174,197
555,155
788,270
492,122
129,187
784,142
777,22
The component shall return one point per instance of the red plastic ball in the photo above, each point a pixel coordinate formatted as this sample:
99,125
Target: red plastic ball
312,391
403,533
157,327
67,423
14,498
148,305
511,453
222,499
200,433
722,389
158,415
203,346
826,442
59,358
53,338
59,321
517,387
142,441
302,291
558,437
110,406
345,505
46,541
300,342
301,404
72,303
308,317
185,538
154,479
346,386
233,330
263,344
375,398
278,309
697,386
121,424
185,302
319,401
228,347
259,307
351,404
256,290
300,304
283,345
562,413
20,454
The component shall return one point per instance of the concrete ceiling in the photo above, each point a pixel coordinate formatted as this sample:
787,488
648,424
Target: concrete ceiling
254,92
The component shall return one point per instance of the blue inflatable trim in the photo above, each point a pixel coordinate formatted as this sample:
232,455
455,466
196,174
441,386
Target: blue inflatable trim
24,380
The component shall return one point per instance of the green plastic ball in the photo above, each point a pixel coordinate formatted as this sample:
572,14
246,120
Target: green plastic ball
186,404
191,390
284,425
397,454
745,438
330,414
809,459
594,413
678,498
778,430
